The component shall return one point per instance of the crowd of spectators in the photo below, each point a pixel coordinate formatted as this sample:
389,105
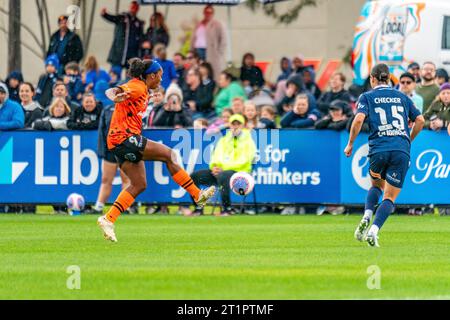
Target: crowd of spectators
196,89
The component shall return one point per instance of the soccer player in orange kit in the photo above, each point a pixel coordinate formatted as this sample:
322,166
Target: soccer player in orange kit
131,149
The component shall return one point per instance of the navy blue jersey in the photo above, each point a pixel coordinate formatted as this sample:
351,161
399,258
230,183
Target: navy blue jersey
387,111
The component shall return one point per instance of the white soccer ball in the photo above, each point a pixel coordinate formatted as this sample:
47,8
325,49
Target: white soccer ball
242,183
75,202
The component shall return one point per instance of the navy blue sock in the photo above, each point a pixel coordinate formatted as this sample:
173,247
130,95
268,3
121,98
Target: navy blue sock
373,196
384,210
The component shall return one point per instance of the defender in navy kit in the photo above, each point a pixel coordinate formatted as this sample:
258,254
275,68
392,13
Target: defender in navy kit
387,111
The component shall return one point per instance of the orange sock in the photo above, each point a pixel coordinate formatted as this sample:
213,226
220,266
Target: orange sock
122,203
184,180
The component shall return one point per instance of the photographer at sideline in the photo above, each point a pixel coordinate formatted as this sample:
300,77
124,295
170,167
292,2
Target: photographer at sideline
173,113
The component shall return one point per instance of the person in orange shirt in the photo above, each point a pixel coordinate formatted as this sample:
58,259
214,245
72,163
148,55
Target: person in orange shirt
131,149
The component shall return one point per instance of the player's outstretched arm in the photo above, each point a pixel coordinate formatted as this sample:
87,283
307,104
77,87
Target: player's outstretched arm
417,126
117,94
354,131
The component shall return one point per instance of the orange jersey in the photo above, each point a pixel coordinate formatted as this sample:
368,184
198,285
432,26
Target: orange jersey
126,120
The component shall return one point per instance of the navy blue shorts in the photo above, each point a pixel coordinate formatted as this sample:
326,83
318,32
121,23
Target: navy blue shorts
391,166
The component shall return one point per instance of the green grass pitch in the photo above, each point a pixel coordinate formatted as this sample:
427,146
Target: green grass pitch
238,257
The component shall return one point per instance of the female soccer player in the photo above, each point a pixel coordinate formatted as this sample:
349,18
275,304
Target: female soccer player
388,112
131,149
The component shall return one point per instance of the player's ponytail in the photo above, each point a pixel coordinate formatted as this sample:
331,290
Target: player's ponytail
139,68
381,73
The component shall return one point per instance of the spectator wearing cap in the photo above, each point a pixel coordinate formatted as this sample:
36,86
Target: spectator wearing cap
65,44
13,82
197,96
336,92
294,87
428,89
441,76
336,119
47,81
302,116
209,40
11,113
414,69
233,153
86,116
128,35
229,89
407,86
437,117
169,73
174,113
59,112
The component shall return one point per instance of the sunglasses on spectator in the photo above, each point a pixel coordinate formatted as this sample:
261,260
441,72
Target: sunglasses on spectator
405,82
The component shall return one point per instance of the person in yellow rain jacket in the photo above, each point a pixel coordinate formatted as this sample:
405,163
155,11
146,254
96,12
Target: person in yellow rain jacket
234,152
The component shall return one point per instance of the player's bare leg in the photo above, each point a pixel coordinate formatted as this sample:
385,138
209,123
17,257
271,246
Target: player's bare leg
373,196
138,183
384,210
158,152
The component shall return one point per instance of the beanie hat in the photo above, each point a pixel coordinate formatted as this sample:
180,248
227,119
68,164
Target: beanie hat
52,60
174,89
445,86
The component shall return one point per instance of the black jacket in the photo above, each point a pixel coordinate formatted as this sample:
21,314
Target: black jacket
327,123
73,50
158,36
80,119
32,112
127,28
254,75
44,90
324,102
103,128
170,119
203,97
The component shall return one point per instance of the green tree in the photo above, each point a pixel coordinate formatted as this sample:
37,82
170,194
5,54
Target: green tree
270,9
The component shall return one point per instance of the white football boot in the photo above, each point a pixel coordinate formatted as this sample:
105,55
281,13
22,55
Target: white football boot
107,228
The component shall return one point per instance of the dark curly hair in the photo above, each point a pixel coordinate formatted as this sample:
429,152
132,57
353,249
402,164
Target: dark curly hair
138,67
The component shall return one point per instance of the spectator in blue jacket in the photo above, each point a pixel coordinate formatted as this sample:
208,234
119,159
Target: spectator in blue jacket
302,115
11,113
169,72
94,73
44,90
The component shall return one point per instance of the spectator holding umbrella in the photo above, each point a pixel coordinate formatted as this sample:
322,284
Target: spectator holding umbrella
65,44
128,33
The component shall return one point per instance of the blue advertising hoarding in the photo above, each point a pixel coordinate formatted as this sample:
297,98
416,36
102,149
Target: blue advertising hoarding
291,166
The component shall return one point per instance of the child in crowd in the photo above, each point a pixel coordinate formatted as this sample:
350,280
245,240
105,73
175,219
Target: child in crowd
221,123
72,80
267,119
251,113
